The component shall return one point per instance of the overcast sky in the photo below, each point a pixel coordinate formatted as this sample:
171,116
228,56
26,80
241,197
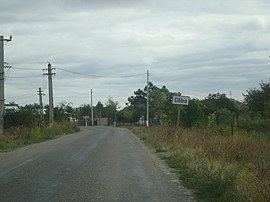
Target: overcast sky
193,47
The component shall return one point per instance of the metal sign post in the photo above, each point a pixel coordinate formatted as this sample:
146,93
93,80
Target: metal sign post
178,116
180,100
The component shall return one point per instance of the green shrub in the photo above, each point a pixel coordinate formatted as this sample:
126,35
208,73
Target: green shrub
19,136
257,124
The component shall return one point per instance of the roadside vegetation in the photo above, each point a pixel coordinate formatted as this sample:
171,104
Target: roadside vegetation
218,166
221,147
18,136
24,125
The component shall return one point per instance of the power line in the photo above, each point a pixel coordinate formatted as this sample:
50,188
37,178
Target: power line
20,77
101,76
21,96
164,83
83,74
44,83
176,89
28,69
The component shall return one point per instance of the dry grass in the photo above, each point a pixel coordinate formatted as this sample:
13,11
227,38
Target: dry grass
220,168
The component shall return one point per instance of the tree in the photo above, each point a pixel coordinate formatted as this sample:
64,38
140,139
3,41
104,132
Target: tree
110,110
160,99
63,111
127,115
258,100
224,108
161,109
99,108
137,103
193,114
27,116
138,98
81,111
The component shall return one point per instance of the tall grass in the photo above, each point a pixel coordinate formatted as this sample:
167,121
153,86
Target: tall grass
15,137
217,167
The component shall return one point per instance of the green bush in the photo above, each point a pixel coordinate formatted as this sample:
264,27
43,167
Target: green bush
256,124
19,136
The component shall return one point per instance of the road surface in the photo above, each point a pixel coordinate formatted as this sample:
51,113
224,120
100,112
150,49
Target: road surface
96,164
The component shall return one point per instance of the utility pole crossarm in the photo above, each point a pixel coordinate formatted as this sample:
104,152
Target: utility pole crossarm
49,70
6,65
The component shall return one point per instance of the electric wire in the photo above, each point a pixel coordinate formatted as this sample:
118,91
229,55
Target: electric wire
176,89
164,83
101,76
21,77
22,95
19,98
28,69
44,83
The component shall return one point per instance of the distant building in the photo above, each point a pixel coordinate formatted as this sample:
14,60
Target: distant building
12,106
73,120
141,121
102,121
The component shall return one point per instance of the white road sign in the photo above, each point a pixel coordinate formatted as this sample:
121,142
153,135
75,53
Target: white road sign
181,100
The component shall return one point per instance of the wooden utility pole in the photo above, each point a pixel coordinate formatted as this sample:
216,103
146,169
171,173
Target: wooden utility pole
92,109
51,110
40,93
147,104
2,82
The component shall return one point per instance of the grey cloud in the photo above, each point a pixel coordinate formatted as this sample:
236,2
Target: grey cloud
192,47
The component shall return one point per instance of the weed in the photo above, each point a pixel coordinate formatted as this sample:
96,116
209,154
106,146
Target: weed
16,137
218,167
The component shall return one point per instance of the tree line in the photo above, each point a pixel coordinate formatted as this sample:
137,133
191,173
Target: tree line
215,110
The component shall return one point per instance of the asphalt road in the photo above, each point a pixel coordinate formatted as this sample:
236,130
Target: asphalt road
96,164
